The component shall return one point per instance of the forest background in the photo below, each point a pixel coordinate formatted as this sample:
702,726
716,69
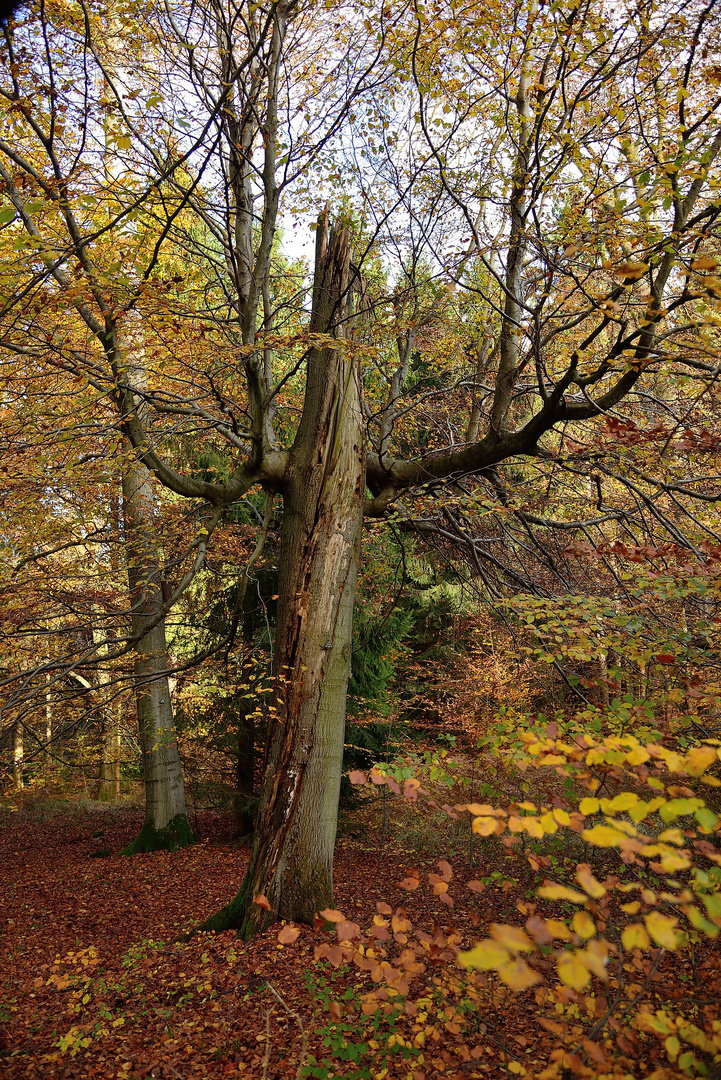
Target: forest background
425,527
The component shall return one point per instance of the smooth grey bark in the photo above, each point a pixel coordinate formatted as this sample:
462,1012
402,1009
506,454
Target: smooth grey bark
109,773
166,821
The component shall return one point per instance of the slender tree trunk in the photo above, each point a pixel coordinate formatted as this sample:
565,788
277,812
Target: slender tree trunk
18,756
48,719
292,858
166,820
107,789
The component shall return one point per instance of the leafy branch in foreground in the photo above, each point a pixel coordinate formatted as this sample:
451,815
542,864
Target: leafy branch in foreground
645,895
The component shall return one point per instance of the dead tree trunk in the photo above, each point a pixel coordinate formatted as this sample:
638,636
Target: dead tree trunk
292,858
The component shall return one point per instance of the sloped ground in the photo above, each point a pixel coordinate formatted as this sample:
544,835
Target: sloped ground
95,982
83,960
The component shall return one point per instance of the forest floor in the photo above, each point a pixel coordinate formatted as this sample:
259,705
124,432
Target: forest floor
96,983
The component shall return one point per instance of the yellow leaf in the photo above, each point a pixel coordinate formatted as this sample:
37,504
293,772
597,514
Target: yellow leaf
560,892
674,762
662,929
637,756
672,1046
487,955
533,827
624,801
700,759
518,975
512,938
589,806
588,882
483,826
548,824
672,861
583,924
572,972
562,816
631,908
595,956
602,836
638,812
635,936
625,827
672,836
557,929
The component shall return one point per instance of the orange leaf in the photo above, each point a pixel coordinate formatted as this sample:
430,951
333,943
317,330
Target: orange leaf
262,901
288,935
357,777
331,915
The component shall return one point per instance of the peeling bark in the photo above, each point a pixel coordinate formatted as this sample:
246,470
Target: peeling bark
292,857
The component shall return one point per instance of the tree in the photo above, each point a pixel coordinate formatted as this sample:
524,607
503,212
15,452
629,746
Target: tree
468,124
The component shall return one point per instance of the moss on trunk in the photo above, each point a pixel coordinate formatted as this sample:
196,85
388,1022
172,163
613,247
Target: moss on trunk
234,916
176,834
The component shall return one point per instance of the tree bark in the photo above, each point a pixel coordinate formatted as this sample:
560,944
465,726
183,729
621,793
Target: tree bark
18,756
292,858
166,823
109,776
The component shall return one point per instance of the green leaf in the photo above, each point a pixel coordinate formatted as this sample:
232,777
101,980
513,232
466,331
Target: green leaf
706,818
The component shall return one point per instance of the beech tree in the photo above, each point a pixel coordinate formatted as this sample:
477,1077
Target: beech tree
528,211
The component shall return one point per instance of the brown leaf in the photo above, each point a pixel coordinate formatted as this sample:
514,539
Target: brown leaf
357,777
705,262
476,886
538,930
331,915
288,935
632,271
445,869
335,1009
335,955
410,789
594,1051
262,901
346,930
